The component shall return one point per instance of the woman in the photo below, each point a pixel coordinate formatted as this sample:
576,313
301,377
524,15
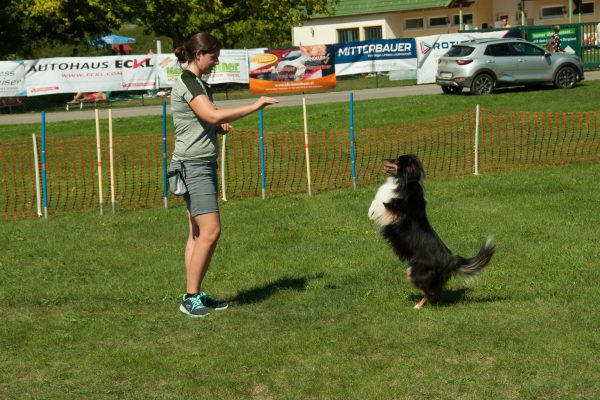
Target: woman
554,42
197,122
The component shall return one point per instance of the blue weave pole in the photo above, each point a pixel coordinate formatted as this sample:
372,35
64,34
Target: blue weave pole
352,155
44,179
164,155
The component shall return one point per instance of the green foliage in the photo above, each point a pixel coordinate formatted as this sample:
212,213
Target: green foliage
248,23
28,26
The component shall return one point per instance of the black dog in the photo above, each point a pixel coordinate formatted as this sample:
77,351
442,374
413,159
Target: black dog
399,211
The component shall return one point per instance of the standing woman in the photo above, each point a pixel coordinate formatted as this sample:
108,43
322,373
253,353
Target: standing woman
555,47
197,122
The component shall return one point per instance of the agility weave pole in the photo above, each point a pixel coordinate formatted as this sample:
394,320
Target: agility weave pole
36,171
306,147
99,158
111,162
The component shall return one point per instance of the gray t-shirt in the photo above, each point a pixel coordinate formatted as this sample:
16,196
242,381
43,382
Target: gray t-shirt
195,139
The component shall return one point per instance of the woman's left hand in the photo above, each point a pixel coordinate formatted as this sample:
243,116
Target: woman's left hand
223,129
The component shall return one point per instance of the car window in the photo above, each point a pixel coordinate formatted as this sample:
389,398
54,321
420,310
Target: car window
526,49
459,51
498,50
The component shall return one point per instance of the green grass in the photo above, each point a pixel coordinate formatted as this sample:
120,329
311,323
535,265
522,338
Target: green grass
320,305
368,113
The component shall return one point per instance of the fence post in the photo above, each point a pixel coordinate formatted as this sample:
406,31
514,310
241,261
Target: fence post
476,147
352,155
44,177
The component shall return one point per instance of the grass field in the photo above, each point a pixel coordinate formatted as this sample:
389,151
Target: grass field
367,114
320,308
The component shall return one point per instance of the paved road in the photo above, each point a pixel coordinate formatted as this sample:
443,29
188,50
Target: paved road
284,101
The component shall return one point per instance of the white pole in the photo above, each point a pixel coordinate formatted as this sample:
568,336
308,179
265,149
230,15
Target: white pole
36,166
99,157
223,167
306,147
111,166
476,155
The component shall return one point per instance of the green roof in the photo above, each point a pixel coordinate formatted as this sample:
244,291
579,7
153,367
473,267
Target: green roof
361,7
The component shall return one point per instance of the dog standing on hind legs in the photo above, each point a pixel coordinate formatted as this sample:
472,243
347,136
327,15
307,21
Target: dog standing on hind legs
399,212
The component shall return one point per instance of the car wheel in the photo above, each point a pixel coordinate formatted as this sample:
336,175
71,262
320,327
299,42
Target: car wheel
565,78
482,84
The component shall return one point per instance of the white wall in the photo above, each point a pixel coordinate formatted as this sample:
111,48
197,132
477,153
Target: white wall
325,31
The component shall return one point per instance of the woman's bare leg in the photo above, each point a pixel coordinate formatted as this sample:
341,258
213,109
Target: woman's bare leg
204,233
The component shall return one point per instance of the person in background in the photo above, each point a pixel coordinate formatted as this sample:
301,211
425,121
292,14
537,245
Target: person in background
554,42
197,121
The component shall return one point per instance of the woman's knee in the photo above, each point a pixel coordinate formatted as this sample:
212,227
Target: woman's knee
211,234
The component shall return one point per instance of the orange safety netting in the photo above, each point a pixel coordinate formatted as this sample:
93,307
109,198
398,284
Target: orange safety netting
507,141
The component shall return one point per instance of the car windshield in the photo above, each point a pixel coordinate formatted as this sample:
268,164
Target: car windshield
459,51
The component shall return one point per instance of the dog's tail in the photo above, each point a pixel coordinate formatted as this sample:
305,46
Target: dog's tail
470,266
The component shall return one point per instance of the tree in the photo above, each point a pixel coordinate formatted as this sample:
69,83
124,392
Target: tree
28,25
238,23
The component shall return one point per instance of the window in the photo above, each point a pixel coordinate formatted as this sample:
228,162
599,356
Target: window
348,35
583,8
526,49
438,21
498,50
459,51
467,19
416,23
553,12
373,33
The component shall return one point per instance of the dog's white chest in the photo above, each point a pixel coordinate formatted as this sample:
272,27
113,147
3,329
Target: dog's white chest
377,212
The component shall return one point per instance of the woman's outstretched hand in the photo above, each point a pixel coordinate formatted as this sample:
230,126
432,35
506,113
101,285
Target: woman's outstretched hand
265,101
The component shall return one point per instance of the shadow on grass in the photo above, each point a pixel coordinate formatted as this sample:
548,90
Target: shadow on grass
452,297
262,293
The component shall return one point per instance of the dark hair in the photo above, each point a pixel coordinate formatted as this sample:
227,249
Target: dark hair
201,42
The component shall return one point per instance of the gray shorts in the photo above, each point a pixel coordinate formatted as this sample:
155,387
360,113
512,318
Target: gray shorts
202,184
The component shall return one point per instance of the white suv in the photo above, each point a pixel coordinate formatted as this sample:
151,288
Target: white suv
483,64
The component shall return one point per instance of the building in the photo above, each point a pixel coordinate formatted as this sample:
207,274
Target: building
357,20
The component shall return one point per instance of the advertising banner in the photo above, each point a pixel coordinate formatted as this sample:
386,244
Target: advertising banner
292,69
375,56
232,68
89,74
569,40
431,48
108,73
12,78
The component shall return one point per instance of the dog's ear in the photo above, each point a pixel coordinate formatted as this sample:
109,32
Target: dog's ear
402,179
414,170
